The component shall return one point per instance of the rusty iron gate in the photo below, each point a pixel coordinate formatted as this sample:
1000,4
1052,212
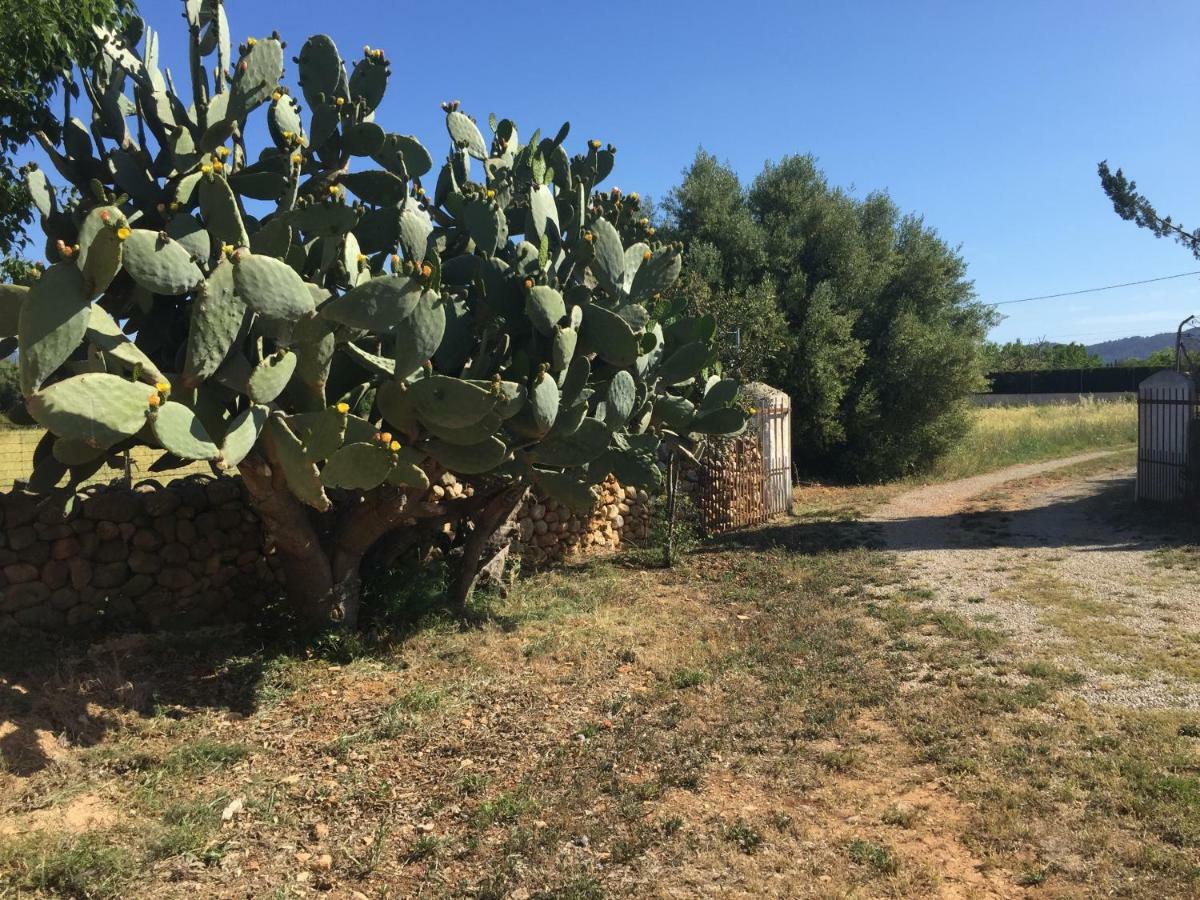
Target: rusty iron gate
1167,437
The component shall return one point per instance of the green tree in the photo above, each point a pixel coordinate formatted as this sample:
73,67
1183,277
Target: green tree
1017,356
1135,207
39,43
885,334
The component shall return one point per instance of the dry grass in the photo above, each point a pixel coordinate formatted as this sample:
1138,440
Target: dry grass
1007,435
751,724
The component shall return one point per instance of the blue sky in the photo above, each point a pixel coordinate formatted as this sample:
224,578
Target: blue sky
988,119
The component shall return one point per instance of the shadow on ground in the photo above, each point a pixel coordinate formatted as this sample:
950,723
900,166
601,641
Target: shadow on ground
51,688
1106,519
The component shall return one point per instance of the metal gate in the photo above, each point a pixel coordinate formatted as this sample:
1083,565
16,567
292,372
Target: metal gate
1167,437
772,420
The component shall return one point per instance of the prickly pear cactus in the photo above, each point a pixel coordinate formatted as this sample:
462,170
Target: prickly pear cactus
338,307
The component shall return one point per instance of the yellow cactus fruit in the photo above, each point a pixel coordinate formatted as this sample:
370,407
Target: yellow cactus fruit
222,152
297,159
394,446
491,194
123,232
277,96
287,135
646,256
154,400
426,270
334,190
162,387
250,42
218,165
340,101
362,258
386,437
650,231
227,249
343,408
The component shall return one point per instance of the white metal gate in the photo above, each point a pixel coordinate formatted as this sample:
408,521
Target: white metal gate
772,419
1166,419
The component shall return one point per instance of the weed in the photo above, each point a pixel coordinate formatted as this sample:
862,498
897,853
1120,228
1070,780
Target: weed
687,678
746,836
873,856
84,867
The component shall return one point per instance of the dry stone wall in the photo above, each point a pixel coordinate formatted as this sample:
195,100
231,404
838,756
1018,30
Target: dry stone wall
175,555
191,552
549,531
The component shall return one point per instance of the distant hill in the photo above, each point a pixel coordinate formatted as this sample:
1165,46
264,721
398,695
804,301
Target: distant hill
1136,347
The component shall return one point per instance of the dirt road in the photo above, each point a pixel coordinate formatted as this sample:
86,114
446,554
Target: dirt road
1057,556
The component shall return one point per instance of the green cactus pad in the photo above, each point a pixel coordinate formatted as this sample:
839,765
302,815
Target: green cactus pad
727,421
379,305
721,392
51,324
326,434
380,365
357,467
368,81
512,398
273,239
320,68
256,76
301,473
619,403
415,229
630,467
159,264
396,404
563,349
685,363
486,223
407,471
40,192
216,319
219,208
242,434
543,212
284,119
577,448
545,308
609,336
403,154
106,335
656,274
191,234
471,434
419,336
608,265
473,460
99,219
313,342
11,298
271,288
180,432
98,409
376,186
543,404
103,261
271,376
575,379
450,402
74,452
577,495
675,413
465,133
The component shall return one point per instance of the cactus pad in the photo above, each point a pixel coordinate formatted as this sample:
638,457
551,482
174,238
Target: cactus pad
181,433
270,288
97,408
51,324
271,376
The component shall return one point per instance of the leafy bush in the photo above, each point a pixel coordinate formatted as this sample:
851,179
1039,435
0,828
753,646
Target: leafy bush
883,338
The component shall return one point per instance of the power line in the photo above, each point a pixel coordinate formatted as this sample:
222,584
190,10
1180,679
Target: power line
1107,287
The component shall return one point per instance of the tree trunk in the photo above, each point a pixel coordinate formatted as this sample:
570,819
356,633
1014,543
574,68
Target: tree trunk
498,510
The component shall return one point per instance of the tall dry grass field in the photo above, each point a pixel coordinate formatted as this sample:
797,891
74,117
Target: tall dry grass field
1007,435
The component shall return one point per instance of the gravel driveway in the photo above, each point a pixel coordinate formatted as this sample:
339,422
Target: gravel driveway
1055,555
